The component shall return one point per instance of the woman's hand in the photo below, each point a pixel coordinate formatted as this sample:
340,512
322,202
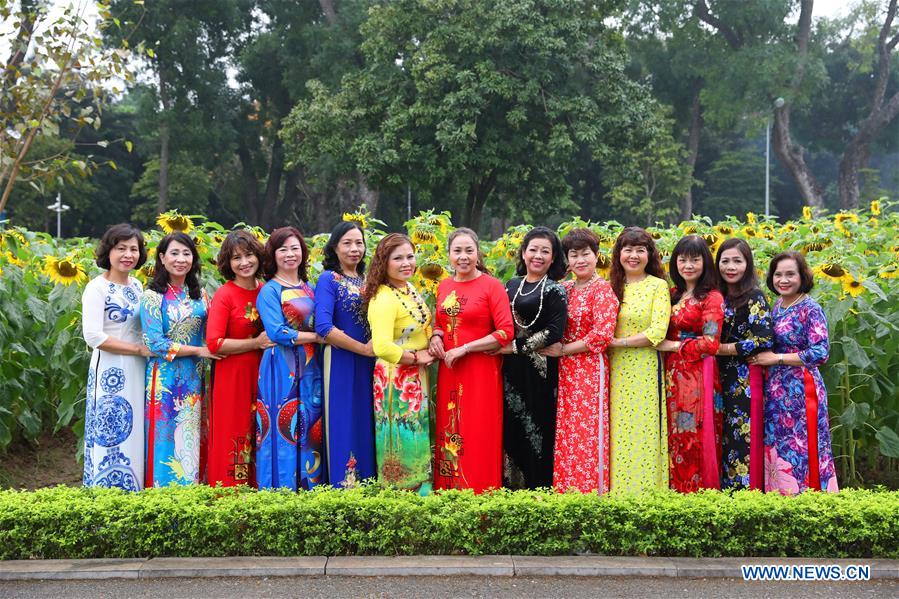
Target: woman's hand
765,358
144,351
263,342
423,357
203,352
727,349
454,354
552,351
368,350
435,348
668,345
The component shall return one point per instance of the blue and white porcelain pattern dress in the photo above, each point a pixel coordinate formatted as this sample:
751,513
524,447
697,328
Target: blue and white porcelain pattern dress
114,412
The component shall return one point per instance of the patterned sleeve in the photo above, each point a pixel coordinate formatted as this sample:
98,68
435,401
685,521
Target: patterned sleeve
93,301
660,313
555,303
382,315
815,326
712,320
325,301
605,318
217,322
151,306
759,332
500,313
439,324
268,304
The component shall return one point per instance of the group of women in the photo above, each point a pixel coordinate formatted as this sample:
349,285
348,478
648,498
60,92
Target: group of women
550,380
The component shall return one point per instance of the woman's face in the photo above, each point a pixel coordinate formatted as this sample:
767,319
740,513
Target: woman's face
689,267
289,256
350,249
124,255
463,255
538,256
634,259
787,280
582,263
401,263
244,263
177,259
732,266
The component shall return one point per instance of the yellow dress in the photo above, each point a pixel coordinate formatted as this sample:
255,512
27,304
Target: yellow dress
638,435
401,321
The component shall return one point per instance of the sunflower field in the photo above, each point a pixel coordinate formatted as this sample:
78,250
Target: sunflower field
855,256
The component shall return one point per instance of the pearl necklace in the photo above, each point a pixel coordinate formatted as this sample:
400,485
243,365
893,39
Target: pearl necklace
287,283
793,303
420,307
541,284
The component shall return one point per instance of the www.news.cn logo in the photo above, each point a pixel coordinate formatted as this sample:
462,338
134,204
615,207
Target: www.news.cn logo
806,572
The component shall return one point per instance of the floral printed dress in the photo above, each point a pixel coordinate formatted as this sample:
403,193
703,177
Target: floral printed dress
175,385
114,408
582,423
798,453
692,397
747,325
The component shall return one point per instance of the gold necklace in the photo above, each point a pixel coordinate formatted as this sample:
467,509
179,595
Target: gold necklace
793,303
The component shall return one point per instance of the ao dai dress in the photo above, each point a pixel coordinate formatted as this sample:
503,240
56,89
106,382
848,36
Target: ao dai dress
469,452
348,412
694,410
748,326
401,321
289,404
233,315
582,433
798,453
175,385
114,407
531,383
639,437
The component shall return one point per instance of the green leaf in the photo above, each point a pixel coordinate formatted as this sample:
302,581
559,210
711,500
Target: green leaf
854,353
855,414
889,442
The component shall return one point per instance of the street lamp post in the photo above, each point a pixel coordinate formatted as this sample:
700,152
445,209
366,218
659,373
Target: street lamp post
58,208
778,103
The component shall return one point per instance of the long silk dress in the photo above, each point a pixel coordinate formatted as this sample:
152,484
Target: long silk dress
798,454
233,315
693,394
401,321
638,433
531,383
114,407
289,403
176,386
469,452
582,425
349,434
748,326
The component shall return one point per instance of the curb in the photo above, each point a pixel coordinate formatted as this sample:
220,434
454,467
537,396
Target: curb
427,565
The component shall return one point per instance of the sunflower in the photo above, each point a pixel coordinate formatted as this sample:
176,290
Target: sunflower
750,218
423,235
875,207
806,213
724,230
12,259
432,271
832,271
356,217
259,234
852,286
172,221
841,218
814,246
788,228
748,232
63,270
890,271
688,229
603,262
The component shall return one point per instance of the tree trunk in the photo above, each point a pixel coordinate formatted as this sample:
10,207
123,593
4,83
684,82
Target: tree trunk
368,196
477,199
273,185
855,156
164,141
250,185
696,124
327,7
792,157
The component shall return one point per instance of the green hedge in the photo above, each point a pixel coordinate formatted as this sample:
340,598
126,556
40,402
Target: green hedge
68,522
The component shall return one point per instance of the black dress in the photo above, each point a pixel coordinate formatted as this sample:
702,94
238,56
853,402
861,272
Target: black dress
531,382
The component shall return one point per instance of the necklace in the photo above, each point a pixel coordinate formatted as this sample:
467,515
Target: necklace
177,295
286,282
541,284
793,303
586,284
419,312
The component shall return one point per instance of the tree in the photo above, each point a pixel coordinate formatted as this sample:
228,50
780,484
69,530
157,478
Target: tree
469,100
53,63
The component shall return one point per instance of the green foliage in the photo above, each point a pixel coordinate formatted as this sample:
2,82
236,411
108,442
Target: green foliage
189,188
201,521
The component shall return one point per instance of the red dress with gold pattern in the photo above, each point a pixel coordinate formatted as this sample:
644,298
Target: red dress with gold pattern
582,421
469,444
693,394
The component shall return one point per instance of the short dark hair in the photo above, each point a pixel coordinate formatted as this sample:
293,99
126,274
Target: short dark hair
580,238
160,281
113,236
693,246
244,240
806,279
557,269
331,261
276,240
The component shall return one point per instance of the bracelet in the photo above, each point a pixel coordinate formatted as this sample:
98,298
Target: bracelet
563,349
465,346
624,341
780,359
436,334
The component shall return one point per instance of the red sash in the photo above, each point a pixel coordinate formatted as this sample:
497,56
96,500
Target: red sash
711,479
756,428
811,417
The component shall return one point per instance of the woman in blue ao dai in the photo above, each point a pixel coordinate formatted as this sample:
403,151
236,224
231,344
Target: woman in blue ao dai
348,360
173,313
114,407
289,404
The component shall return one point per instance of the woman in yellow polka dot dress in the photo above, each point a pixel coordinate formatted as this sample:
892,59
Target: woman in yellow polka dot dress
638,435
